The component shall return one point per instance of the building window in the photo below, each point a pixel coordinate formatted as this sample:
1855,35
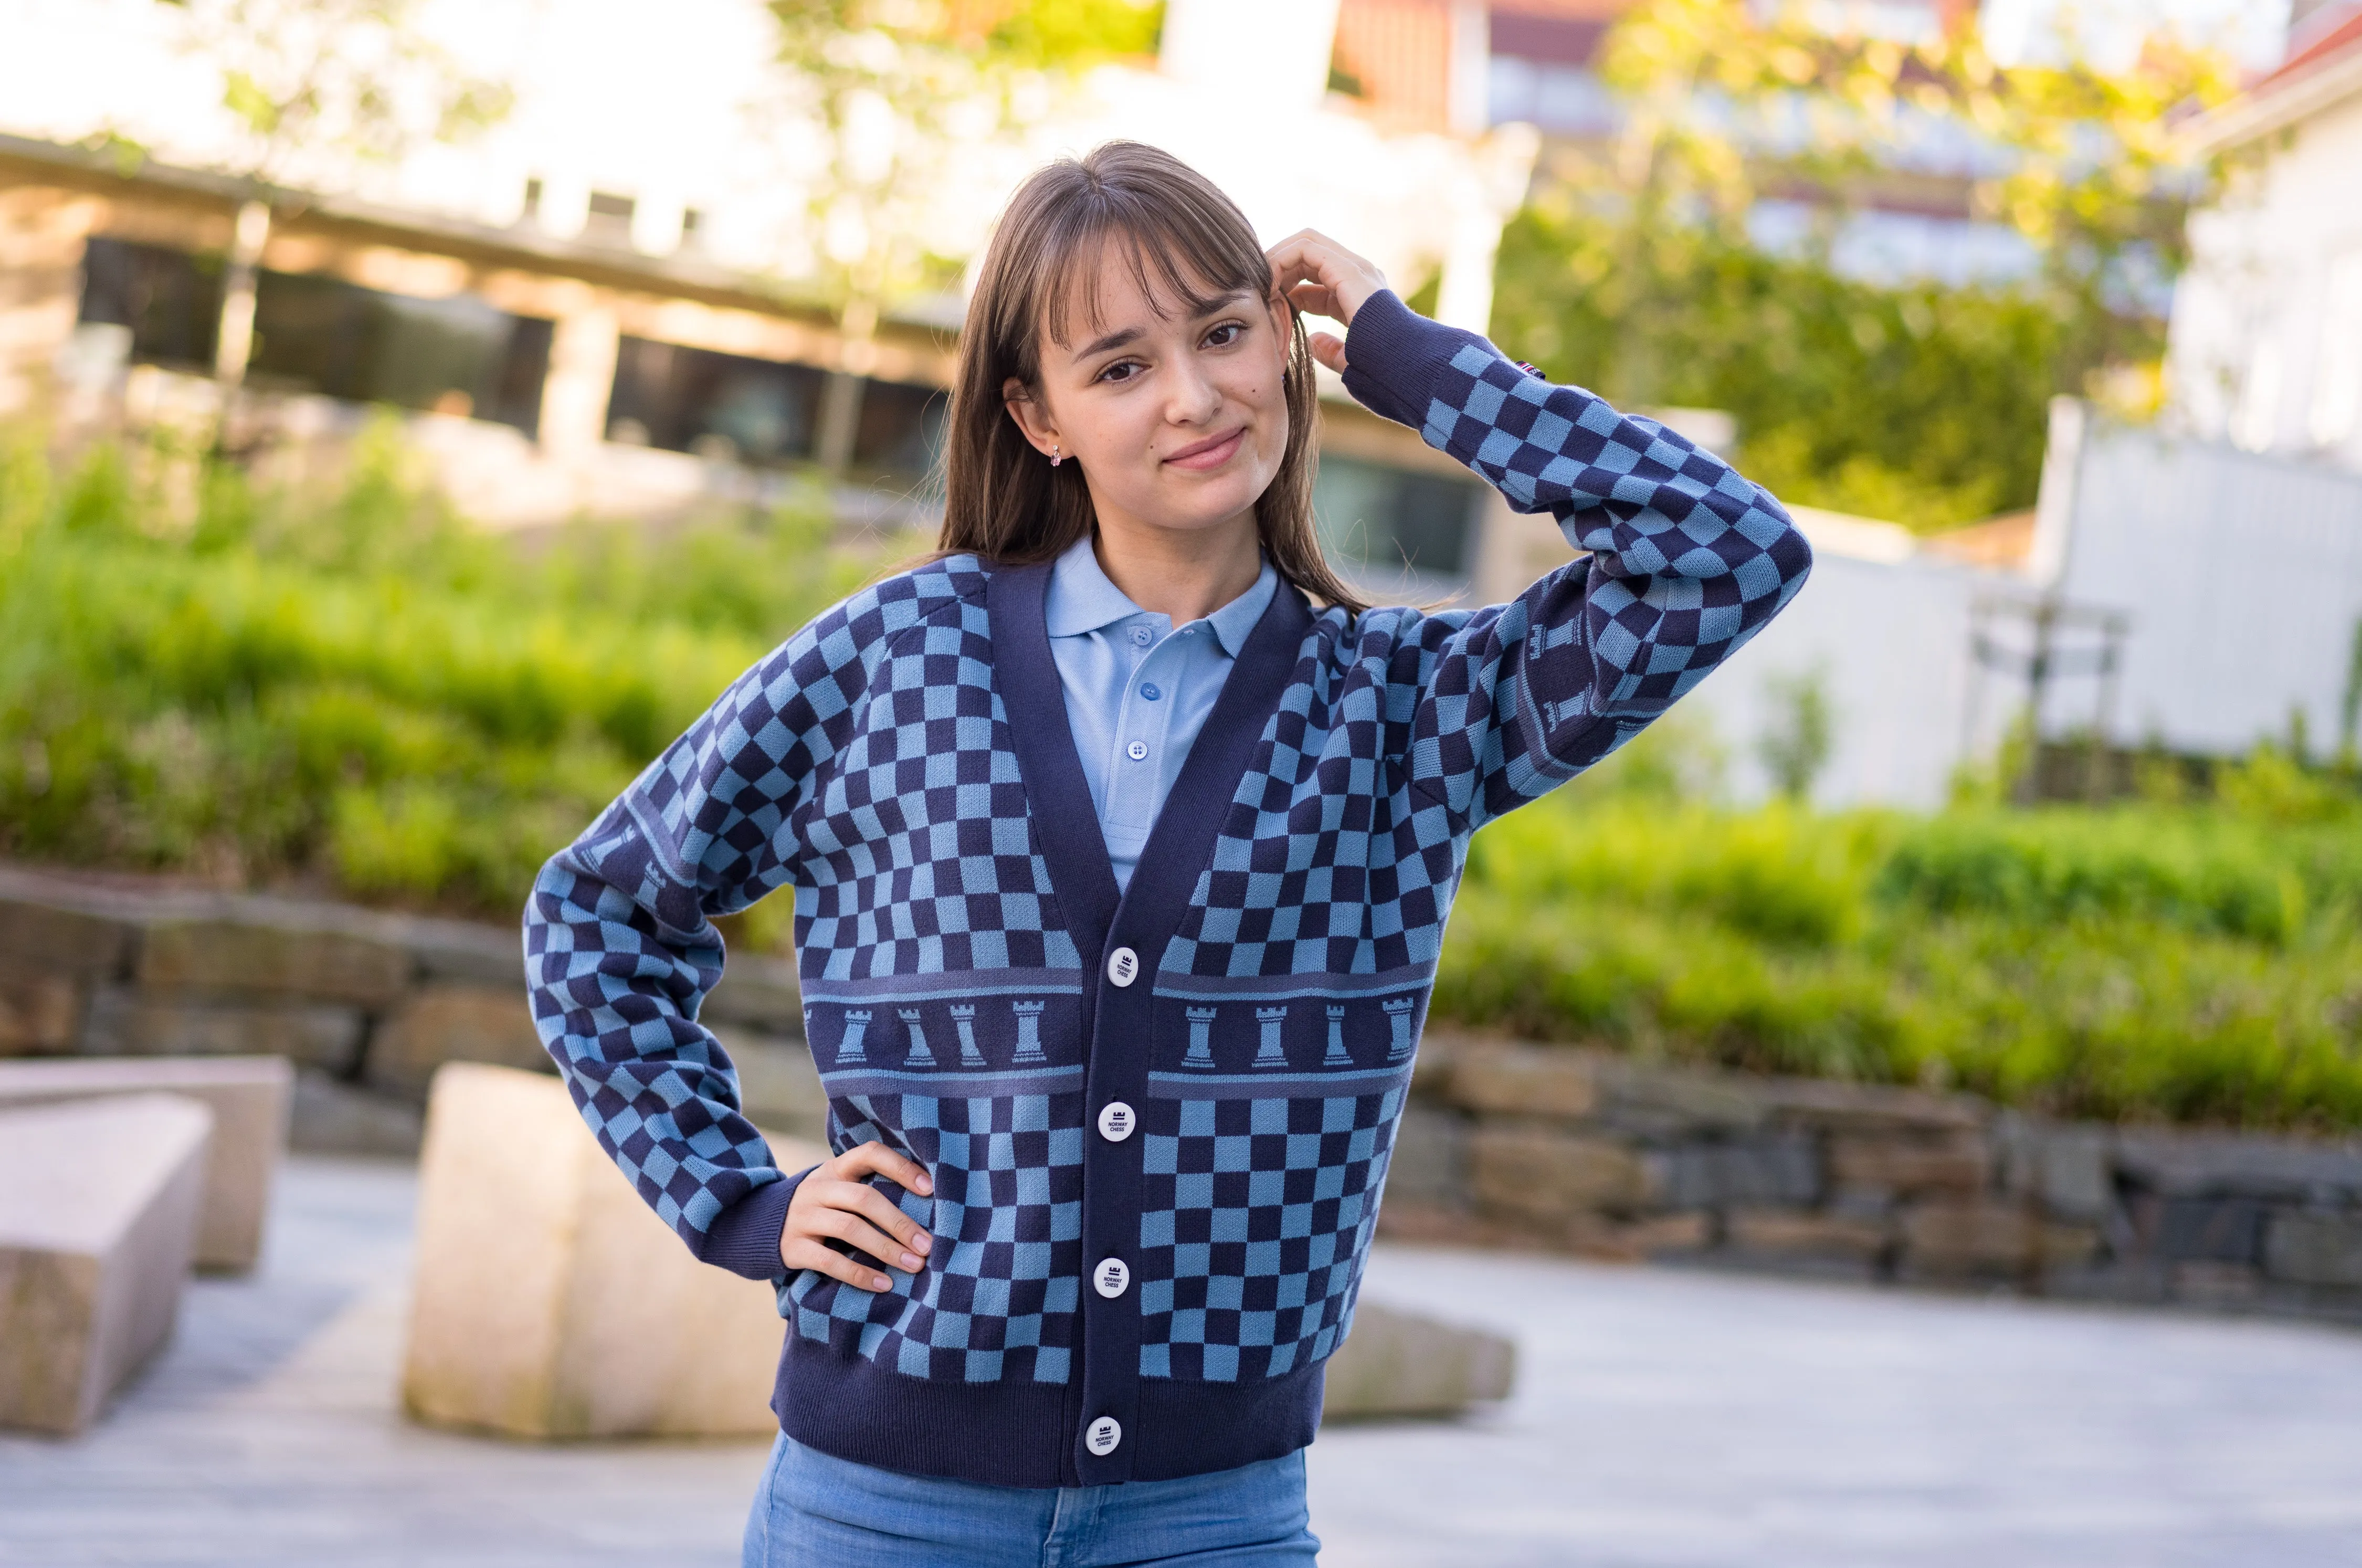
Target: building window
720,406
316,333
900,432
1398,527
171,300
454,356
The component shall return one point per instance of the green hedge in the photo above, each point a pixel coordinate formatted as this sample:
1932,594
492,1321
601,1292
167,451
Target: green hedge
2180,962
350,693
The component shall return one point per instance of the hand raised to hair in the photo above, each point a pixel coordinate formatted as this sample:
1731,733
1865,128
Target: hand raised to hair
832,1203
1320,277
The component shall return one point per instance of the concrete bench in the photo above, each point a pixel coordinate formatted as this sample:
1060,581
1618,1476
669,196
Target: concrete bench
1401,1363
248,1098
548,1301
99,1202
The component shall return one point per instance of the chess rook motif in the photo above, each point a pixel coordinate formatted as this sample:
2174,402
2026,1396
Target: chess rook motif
848,1050
1201,1037
920,1055
1029,1030
1268,1051
963,1020
903,769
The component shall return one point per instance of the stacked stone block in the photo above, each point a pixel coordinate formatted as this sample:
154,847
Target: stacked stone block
365,1005
1581,1149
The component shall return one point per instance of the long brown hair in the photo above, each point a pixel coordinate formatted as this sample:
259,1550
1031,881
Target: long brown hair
1002,499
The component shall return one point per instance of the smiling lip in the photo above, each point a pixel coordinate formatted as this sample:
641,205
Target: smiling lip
1210,453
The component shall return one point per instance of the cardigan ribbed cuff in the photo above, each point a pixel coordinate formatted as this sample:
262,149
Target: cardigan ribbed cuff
1394,355
744,1237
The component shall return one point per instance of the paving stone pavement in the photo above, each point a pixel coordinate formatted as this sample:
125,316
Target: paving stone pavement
1664,1419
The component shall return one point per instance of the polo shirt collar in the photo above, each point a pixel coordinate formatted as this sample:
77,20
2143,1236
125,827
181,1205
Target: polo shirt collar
1082,599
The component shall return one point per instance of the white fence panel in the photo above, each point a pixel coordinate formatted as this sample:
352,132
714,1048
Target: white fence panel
2241,574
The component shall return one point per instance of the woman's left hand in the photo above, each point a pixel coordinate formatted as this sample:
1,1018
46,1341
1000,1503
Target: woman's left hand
1317,275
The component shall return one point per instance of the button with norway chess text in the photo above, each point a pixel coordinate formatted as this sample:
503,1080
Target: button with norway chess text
1105,1433
1123,965
1116,1122
1111,1278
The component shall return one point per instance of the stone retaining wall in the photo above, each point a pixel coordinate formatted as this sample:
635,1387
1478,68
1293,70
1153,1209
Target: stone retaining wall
1579,1149
366,1004
1503,1144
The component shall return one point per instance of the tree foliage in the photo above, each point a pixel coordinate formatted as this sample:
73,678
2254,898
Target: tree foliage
1636,271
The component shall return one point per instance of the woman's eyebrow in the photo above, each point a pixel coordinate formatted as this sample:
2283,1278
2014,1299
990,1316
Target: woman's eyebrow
1198,309
1115,340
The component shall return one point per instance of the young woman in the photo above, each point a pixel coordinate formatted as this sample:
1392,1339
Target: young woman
1122,836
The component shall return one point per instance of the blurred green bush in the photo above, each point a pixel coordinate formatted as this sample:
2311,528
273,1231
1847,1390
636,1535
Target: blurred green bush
352,691
349,691
2190,963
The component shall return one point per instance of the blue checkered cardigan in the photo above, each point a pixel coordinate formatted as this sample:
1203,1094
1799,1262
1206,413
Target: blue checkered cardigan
977,992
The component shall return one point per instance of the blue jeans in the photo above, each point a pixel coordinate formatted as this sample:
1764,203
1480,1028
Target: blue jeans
818,1511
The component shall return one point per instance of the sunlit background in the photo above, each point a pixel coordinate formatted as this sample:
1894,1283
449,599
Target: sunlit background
413,412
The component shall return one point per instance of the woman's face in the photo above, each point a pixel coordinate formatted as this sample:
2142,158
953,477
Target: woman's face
1177,416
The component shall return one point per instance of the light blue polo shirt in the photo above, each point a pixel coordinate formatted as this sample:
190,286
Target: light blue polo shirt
1138,688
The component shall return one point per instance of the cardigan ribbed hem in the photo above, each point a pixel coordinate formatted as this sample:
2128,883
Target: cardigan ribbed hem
1005,1434
744,1237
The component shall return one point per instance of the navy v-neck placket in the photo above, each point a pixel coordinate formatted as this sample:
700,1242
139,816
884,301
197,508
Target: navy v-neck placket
1121,938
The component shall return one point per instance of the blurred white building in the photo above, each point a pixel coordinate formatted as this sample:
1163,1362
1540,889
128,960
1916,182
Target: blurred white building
606,302
2267,334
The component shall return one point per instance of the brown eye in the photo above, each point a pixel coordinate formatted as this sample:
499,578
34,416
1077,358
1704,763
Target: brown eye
1225,334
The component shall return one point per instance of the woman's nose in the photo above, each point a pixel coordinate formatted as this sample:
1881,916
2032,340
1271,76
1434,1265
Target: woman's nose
1194,398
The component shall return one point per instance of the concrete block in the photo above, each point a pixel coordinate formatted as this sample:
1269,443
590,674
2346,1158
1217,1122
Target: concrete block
1782,1234
1969,1239
1542,1174
41,1013
2315,1249
778,1084
332,1118
2198,1229
249,1098
1429,1164
1663,1102
290,958
1779,1171
98,1217
1872,1109
1395,1363
47,926
2222,1164
549,1301
1958,1163
453,1023
126,1023
757,993
1524,1080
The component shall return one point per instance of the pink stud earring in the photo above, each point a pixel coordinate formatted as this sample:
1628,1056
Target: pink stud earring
1055,458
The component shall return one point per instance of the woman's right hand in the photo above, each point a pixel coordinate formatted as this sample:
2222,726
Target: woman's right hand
834,1204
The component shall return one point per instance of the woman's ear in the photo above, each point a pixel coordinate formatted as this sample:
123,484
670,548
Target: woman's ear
1029,415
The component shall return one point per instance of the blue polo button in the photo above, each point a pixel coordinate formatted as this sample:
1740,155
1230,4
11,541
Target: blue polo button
1150,690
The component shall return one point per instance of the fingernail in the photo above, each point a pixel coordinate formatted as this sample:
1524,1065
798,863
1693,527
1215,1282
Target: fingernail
883,1284
911,1260
926,1187
925,1243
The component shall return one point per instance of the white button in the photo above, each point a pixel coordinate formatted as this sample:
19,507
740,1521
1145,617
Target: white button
1109,1279
1137,751
1116,1122
1123,965
1104,1435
